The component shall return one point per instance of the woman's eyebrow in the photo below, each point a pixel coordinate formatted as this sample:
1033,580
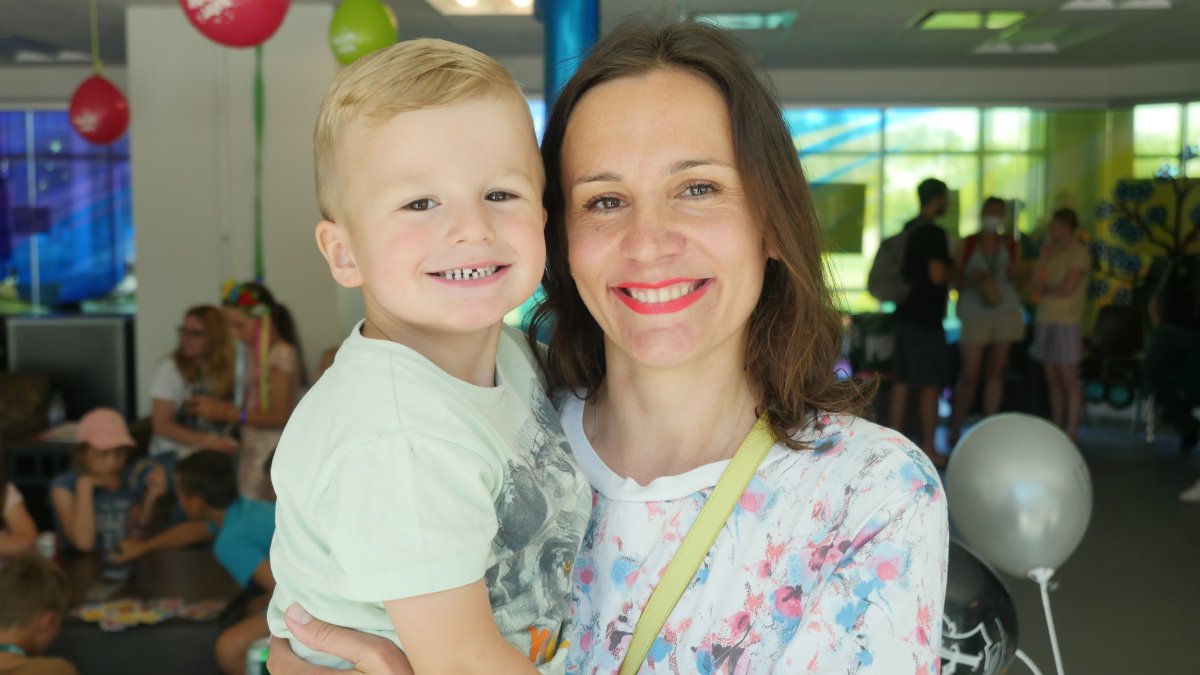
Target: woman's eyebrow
602,177
685,164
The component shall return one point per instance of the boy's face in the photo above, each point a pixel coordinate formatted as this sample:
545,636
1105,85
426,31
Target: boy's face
191,505
440,216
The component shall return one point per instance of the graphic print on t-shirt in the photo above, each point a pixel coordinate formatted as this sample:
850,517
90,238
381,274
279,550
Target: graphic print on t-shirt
542,512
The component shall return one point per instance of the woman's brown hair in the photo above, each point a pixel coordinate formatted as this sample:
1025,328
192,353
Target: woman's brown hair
216,369
795,333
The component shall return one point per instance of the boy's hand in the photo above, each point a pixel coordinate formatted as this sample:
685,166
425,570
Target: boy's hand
127,550
221,444
156,484
370,654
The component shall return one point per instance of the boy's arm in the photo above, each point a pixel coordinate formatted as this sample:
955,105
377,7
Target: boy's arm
454,632
183,534
263,577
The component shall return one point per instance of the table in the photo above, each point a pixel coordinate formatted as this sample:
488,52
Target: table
176,646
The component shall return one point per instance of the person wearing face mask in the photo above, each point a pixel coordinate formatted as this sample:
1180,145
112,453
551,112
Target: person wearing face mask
920,361
990,310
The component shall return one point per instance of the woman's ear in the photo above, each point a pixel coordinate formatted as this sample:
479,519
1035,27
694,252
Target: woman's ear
334,243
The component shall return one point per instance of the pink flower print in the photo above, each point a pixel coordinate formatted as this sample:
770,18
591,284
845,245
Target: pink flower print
752,501
763,568
887,569
740,623
788,602
585,642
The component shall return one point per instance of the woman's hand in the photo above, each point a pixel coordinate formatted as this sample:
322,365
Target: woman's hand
212,409
370,654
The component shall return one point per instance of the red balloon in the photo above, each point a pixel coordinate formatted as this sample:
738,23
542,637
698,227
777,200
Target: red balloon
99,111
236,23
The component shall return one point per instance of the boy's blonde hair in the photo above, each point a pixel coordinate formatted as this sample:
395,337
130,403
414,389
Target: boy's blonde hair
30,585
410,75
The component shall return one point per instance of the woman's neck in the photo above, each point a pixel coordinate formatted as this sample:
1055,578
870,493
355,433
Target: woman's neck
646,423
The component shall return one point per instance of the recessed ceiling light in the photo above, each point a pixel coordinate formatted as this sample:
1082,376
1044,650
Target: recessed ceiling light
482,7
970,19
749,20
1108,5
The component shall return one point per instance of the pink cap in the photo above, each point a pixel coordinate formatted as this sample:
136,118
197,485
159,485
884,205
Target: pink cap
104,429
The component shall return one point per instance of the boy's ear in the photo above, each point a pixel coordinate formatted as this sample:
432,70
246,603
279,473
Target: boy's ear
334,244
46,625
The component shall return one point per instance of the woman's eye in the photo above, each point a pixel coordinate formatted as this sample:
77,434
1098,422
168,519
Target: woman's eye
605,203
699,189
499,196
419,205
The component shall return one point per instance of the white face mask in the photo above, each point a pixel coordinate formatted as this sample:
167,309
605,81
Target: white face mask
993,223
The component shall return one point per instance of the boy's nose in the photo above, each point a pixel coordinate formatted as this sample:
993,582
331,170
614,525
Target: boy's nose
472,225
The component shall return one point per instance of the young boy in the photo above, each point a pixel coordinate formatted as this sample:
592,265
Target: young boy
426,491
206,483
34,594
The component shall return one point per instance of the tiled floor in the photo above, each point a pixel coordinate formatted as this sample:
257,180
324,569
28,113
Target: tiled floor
1128,600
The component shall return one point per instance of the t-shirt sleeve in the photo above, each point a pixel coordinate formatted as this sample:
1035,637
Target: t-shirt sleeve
881,609
240,547
408,515
65,481
12,497
168,384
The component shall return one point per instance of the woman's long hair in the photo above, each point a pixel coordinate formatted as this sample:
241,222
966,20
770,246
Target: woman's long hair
795,333
215,370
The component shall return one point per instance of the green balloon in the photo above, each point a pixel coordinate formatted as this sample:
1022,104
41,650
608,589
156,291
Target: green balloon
360,27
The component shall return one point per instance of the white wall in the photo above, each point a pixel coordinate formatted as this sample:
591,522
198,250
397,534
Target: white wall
192,154
49,84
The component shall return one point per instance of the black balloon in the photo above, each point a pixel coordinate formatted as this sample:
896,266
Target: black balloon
979,627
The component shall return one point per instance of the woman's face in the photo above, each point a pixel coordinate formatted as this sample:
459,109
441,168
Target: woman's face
242,326
193,340
663,248
1060,232
106,462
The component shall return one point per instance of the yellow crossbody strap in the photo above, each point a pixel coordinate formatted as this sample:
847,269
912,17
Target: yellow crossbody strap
698,543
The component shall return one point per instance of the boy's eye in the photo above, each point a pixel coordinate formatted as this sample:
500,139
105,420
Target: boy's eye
423,204
499,196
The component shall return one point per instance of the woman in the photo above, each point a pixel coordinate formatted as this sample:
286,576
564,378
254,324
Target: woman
202,364
1060,281
685,278
988,265
270,375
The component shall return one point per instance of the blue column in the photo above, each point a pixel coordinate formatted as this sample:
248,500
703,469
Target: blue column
570,27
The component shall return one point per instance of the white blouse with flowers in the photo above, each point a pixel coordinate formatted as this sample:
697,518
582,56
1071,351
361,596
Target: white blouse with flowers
834,561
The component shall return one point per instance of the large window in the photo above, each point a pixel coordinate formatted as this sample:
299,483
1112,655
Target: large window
883,153
1160,133
66,226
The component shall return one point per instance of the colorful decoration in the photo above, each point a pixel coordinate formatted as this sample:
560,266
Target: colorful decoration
1147,220
99,111
236,23
246,298
360,27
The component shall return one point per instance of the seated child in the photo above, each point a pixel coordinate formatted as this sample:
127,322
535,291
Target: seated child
18,533
34,593
95,502
426,491
206,483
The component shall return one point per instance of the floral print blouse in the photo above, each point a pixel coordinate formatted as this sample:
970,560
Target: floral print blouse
834,561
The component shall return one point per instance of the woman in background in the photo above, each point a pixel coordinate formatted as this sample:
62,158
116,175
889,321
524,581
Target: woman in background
270,375
202,364
1060,280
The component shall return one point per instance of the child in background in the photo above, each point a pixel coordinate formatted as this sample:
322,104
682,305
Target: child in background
208,495
18,533
95,502
426,490
34,593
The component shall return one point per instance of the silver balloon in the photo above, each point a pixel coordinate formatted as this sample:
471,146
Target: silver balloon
1019,492
979,625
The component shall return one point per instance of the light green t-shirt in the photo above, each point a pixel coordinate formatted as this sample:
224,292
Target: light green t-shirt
397,480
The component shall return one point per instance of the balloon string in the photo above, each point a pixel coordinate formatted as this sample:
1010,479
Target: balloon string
1042,576
1028,662
95,39
258,143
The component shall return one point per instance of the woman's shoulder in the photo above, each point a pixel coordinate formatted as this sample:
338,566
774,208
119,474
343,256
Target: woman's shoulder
852,451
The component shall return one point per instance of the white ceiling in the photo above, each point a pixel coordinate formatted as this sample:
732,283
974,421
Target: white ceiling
826,34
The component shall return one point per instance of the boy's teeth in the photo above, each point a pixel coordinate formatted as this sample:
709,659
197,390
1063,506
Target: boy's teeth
653,296
469,273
